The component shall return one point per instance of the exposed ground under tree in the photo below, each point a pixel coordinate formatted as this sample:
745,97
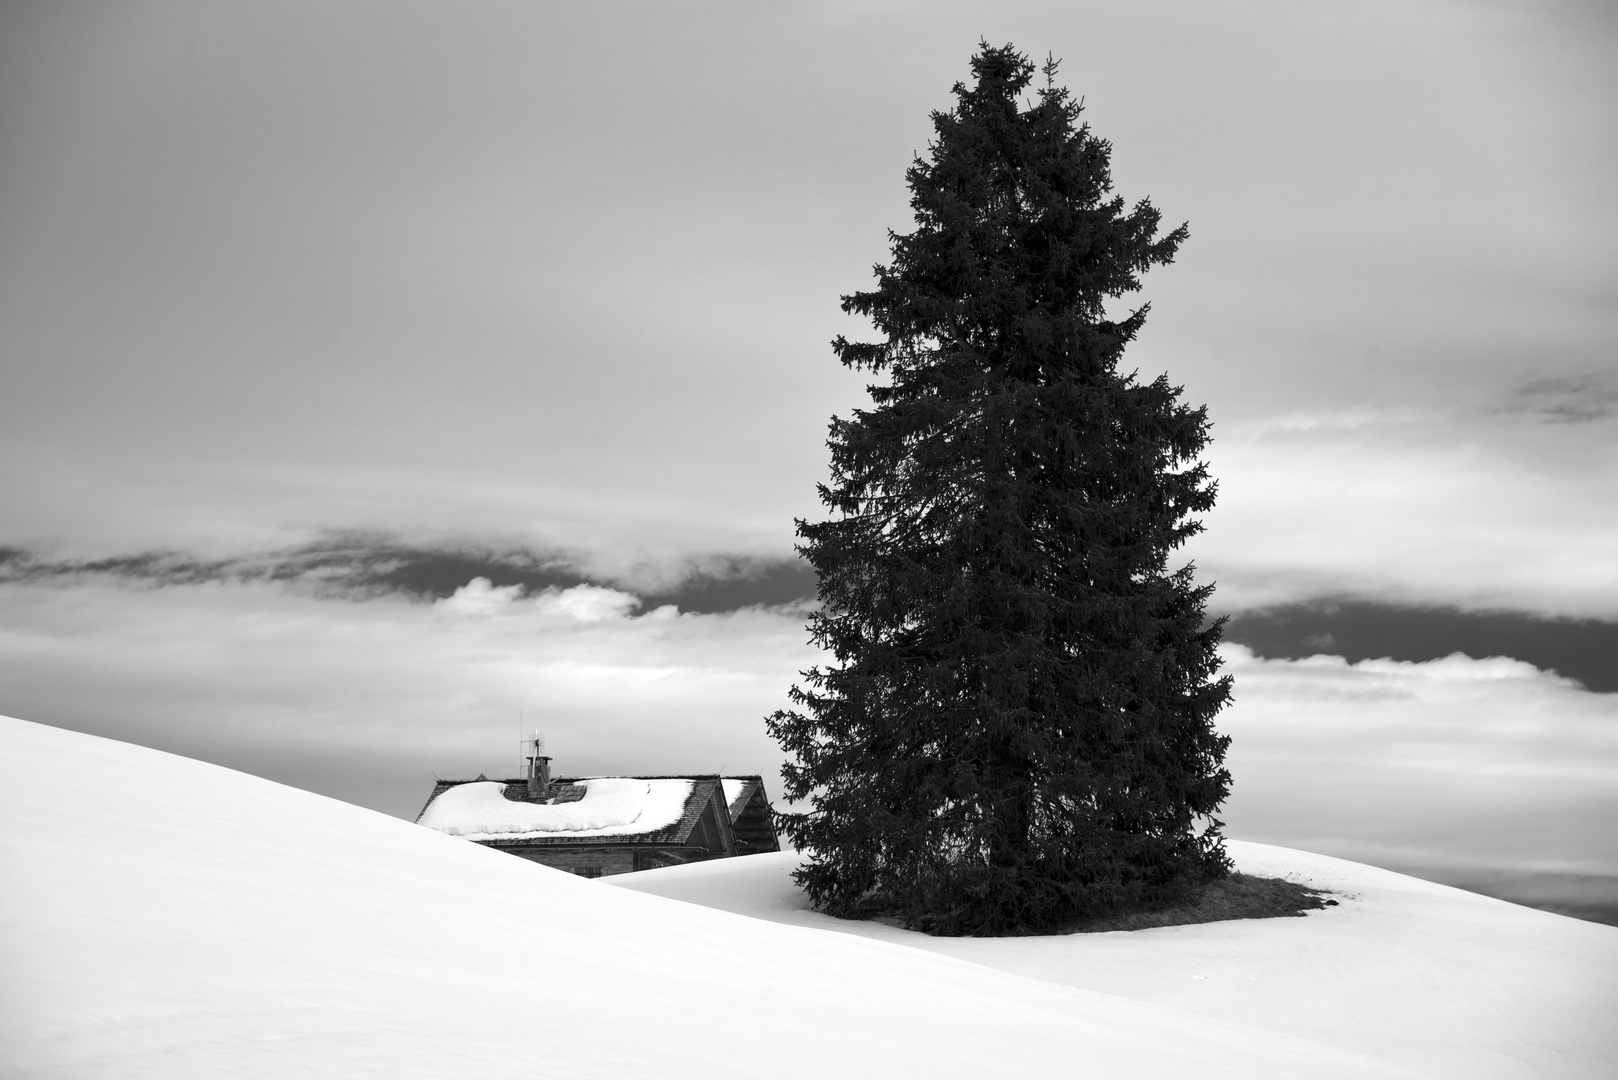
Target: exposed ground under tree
1236,896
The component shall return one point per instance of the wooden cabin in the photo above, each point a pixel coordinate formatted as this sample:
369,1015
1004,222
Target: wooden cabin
603,825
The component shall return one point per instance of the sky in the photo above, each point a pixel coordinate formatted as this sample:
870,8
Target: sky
380,382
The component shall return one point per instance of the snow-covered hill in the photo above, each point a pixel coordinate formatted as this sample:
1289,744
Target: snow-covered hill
164,918
1446,982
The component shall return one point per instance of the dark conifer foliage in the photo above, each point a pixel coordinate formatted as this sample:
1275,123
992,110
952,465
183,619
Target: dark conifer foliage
1018,726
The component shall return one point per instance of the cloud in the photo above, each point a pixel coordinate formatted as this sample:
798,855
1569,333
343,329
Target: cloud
1581,649
1570,399
1469,509
1448,764
342,322
1452,762
479,598
366,700
360,565
1466,509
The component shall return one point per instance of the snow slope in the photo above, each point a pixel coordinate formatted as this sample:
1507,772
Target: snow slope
1440,980
162,918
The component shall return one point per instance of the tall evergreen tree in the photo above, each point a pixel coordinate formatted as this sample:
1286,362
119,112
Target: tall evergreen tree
1018,726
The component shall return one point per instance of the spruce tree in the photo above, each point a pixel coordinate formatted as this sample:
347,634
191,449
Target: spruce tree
1017,728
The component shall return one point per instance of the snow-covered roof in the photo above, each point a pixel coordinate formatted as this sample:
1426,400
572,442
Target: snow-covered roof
610,806
599,809
584,810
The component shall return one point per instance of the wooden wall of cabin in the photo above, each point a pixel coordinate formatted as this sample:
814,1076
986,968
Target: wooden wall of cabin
607,861
586,862
712,830
755,832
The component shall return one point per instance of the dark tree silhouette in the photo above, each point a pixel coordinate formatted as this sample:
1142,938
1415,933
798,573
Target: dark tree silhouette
1018,726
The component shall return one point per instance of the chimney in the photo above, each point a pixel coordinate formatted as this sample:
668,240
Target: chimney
539,770
537,778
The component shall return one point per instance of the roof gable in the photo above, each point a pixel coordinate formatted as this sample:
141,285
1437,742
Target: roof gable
739,791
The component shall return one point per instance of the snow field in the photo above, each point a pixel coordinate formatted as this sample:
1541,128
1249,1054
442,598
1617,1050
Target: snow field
1436,979
164,918
169,919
